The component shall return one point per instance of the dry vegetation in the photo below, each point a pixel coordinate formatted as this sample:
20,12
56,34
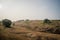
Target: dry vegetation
29,30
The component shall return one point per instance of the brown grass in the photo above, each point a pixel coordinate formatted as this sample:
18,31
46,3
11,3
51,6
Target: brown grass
26,31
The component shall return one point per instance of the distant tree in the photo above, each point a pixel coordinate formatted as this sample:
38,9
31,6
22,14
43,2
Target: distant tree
27,19
47,21
7,23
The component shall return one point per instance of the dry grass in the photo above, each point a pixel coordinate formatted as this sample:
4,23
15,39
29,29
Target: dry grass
28,31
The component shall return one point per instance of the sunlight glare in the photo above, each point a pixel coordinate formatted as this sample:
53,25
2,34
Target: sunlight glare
0,6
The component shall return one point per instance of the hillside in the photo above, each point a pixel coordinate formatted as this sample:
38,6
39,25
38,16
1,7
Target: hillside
30,30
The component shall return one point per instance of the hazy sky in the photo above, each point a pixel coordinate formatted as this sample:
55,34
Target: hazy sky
29,9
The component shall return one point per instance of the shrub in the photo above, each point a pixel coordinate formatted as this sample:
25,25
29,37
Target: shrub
6,23
27,19
47,21
50,30
56,30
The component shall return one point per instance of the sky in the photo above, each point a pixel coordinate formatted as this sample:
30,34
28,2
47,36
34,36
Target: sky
29,9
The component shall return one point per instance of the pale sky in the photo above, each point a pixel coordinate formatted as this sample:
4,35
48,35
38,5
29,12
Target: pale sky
29,9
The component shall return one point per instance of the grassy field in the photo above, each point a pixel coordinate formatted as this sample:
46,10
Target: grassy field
29,30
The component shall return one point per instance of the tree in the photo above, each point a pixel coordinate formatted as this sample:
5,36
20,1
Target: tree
7,23
47,21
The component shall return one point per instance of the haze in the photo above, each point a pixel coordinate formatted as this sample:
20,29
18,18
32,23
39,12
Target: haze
29,9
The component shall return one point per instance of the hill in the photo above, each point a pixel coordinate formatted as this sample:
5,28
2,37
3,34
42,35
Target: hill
31,30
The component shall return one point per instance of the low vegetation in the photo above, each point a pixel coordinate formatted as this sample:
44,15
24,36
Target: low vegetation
7,23
47,21
30,30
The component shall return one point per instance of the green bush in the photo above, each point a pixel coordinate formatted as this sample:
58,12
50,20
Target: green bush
7,23
47,21
27,20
